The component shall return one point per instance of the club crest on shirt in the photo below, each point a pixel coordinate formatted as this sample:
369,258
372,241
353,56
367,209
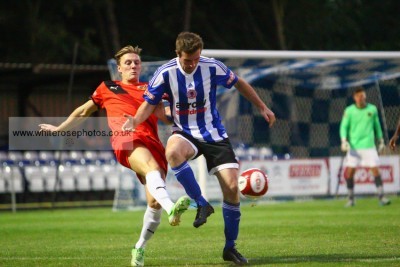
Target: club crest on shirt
191,93
142,87
369,114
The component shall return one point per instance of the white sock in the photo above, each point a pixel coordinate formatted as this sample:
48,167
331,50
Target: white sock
157,188
151,220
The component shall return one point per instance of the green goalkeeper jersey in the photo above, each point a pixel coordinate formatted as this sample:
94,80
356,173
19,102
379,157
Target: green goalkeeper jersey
360,125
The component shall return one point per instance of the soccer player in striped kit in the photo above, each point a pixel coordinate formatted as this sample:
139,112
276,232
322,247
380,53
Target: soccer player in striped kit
358,129
191,81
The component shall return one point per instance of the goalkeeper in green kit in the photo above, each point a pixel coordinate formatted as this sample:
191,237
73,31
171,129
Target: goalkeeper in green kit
358,130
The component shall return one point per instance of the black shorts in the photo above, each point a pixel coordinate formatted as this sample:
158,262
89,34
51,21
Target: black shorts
219,155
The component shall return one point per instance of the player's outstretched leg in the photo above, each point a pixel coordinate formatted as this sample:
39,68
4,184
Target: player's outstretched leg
151,221
177,210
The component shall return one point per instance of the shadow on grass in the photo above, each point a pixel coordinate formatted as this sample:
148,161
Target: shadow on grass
315,260
324,258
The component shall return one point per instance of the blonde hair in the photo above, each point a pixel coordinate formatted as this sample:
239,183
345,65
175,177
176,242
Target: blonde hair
125,50
188,42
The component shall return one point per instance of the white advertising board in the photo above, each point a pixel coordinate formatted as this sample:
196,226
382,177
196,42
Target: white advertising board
363,178
298,177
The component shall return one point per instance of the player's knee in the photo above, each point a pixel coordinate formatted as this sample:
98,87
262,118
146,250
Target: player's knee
174,156
231,189
150,167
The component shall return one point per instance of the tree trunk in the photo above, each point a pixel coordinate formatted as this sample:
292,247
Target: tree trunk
113,26
279,10
102,29
188,15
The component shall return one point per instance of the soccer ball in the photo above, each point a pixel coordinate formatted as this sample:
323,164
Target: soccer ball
253,183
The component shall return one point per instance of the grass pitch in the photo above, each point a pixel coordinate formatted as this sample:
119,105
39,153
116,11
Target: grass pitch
311,233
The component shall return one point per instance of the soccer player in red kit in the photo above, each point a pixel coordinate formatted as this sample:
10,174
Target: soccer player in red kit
141,150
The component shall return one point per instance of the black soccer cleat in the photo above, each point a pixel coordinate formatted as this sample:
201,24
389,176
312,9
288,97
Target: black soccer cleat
231,254
202,213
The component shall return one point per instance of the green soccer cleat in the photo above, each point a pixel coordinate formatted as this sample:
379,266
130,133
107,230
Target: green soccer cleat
177,210
137,257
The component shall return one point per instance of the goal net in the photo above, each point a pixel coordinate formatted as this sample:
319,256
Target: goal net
308,91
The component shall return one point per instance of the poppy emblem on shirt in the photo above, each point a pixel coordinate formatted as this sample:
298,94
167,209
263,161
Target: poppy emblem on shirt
191,94
142,87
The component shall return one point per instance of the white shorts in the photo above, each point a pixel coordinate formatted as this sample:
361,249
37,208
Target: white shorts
362,157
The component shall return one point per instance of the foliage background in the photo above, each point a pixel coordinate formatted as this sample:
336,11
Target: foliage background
45,31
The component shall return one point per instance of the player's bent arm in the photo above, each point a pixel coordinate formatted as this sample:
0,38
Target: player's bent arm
163,113
78,116
250,94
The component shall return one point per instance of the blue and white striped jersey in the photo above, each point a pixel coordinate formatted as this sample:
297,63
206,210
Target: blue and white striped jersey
193,96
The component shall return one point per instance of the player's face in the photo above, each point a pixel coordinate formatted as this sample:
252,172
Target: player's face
189,61
360,99
130,67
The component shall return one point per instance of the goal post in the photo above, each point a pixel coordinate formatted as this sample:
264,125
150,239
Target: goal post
290,54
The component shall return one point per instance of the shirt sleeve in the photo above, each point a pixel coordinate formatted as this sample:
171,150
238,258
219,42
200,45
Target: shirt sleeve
344,124
224,76
97,96
156,89
377,125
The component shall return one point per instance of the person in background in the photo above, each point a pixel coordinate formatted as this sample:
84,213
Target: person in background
358,130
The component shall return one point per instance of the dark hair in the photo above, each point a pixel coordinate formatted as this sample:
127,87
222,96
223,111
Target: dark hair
358,90
188,42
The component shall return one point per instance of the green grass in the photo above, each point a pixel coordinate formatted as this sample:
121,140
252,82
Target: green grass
311,233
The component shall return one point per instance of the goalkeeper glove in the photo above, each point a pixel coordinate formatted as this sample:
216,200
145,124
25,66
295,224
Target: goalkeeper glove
345,145
381,145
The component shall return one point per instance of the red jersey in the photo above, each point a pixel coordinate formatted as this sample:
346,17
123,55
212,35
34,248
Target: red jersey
123,99
119,99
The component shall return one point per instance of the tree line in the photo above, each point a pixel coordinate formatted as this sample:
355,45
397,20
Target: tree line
45,31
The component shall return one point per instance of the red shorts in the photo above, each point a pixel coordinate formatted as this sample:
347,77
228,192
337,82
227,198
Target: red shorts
123,149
